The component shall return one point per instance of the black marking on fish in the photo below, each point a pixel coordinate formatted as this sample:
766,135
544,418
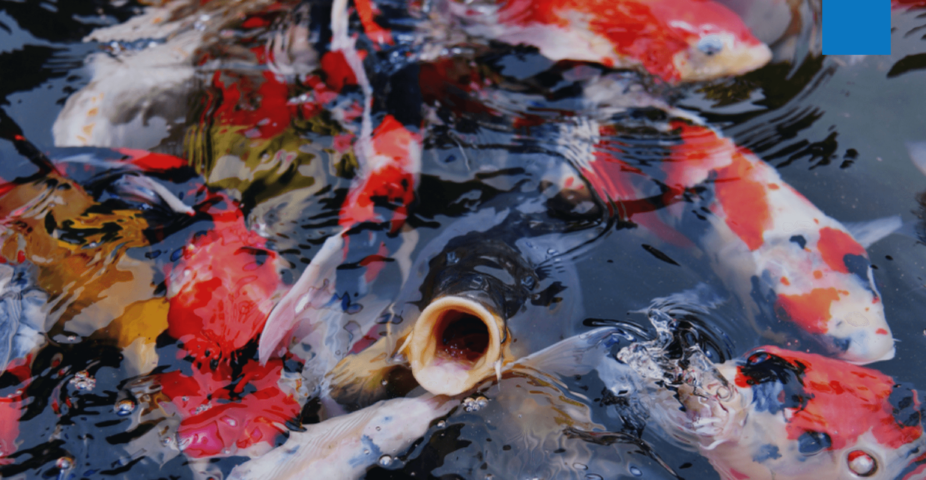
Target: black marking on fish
800,240
859,266
766,452
776,383
905,409
810,443
662,256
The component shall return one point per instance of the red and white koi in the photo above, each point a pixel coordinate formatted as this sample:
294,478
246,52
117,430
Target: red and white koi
689,40
798,416
223,289
817,275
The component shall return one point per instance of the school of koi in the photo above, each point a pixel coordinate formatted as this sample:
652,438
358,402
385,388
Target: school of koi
264,352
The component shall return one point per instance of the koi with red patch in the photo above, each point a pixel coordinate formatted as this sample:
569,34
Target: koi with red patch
792,415
219,419
815,273
687,40
223,288
11,408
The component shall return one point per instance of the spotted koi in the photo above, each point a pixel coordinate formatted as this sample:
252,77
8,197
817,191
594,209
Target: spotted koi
674,40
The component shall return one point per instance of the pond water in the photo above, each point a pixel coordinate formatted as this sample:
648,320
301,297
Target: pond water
111,391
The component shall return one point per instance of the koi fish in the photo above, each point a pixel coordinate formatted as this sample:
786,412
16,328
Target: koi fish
771,413
805,263
792,415
11,407
222,414
139,88
223,288
689,40
22,315
346,446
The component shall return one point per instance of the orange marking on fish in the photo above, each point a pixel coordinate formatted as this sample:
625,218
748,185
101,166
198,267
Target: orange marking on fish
784,281
834,245
745,201
812,310
817,274
376,33
773,186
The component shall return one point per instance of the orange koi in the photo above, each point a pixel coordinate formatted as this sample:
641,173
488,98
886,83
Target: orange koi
689,40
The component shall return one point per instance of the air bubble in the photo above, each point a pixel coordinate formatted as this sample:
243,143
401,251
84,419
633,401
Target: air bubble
64,463
385,461
580,466
475,404
862,464
125,407
83,381
636,472
441,424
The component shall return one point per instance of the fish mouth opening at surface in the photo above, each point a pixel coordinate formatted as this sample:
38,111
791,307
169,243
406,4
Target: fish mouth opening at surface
464,337
454,344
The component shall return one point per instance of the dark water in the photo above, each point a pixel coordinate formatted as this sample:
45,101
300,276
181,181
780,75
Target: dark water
834,127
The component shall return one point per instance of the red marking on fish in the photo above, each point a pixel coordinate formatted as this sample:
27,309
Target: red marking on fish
834,245
227,279
151,162
263,108
881,331
337,70
737,475
744,201
217,419
844,401
812,310
392,176
11,407
378,34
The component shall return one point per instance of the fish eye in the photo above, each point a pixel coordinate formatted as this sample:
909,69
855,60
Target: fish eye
862,464
710,45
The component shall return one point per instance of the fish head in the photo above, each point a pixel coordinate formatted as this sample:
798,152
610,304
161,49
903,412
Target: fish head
714,41
804,416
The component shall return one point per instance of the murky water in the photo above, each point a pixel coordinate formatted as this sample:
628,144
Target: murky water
104,397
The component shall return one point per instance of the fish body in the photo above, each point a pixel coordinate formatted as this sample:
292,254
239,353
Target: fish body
223,289
346,446
688,40
797,416
805,263
221,414
22,315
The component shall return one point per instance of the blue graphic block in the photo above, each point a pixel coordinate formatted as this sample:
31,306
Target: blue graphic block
856,27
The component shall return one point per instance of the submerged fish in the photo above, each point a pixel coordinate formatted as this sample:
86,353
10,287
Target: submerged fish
792,415
803,262
223,288
22,315
771,413
346,446
687,40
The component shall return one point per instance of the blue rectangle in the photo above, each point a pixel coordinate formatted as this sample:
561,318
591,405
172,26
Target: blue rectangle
856,27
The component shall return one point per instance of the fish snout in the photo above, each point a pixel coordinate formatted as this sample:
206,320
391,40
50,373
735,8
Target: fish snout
718,55
860,334
455,344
